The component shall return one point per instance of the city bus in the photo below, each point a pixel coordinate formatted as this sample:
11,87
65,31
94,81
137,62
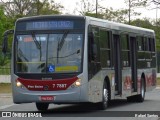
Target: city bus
64,59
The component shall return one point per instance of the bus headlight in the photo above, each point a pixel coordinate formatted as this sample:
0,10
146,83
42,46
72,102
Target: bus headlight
78,82
18,84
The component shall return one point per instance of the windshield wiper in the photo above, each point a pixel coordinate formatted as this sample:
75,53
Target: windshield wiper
36,41
61,43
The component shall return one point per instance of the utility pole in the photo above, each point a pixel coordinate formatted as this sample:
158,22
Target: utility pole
156,14
129,13
96,8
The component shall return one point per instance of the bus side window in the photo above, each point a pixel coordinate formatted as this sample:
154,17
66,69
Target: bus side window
105,49
140,43
153,45
146,45
92,51
150,44
125,50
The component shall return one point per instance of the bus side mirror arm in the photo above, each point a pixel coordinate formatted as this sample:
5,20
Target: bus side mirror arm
5,41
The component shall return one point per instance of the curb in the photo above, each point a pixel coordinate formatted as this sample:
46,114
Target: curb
5,95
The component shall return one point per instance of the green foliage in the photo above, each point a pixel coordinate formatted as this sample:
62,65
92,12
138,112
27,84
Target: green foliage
2,60
20,8
5,24
45,7
11,11
4,65
2,25
94,15
145,23
115,15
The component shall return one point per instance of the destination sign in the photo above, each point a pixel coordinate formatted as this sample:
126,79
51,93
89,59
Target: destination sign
49,25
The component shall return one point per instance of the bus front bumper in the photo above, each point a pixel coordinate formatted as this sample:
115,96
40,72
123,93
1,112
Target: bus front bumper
63,96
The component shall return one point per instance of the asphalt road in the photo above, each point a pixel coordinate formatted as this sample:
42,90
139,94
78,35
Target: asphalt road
89,111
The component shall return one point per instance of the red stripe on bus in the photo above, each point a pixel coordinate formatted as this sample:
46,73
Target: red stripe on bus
47,85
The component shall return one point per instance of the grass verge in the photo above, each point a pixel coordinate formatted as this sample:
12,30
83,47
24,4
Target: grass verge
158,81
5,88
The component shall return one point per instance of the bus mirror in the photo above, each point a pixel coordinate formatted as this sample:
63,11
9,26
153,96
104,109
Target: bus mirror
5,41
5,44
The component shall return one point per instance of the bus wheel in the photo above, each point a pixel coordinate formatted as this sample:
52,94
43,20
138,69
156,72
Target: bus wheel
141,96
42,106
104,104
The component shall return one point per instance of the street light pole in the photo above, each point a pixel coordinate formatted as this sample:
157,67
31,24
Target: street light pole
96,8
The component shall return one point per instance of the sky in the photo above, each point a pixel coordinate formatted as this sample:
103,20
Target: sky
70,5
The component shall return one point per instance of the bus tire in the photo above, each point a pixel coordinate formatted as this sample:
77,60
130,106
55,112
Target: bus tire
141,96
105,97
42,106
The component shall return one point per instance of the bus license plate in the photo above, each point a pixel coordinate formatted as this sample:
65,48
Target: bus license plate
47,98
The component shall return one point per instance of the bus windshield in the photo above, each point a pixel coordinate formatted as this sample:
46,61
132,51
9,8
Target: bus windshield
49,53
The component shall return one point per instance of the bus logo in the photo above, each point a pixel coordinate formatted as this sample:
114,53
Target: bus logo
46,88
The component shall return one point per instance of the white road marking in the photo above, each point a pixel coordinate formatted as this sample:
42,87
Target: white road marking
158,87
6,106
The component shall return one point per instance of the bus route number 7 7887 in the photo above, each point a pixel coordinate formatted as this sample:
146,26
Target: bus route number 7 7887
59,85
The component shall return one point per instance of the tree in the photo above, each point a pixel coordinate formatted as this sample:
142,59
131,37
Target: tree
157,2
45,7
2,20
156,24
132,4
4,24
85,6
88,8
146,23
21,8
115,15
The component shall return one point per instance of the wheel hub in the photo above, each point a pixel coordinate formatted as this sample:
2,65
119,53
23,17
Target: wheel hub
105,94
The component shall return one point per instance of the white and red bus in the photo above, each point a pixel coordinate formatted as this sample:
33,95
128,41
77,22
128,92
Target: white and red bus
79,59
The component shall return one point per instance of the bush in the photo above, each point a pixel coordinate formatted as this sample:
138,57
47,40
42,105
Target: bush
2,60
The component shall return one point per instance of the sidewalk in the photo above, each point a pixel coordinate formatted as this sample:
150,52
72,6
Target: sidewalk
5,100
5,95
